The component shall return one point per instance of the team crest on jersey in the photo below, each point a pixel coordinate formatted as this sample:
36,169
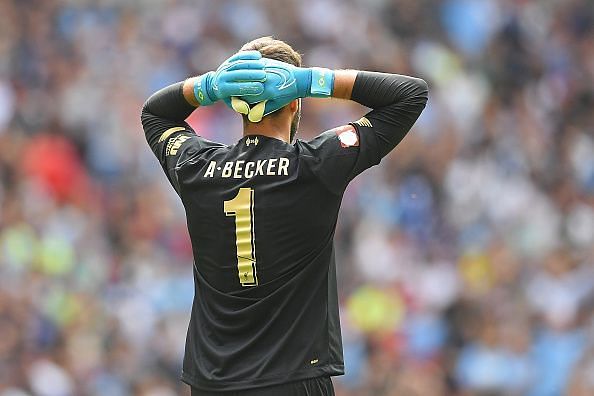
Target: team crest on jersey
347,135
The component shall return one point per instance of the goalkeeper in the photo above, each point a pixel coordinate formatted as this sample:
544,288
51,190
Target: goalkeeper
262,212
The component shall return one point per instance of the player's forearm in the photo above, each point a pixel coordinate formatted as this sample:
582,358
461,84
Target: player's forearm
397,102
343,83
376,90
188,92
172,102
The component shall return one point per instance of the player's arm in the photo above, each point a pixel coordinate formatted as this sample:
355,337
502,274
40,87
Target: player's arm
397,102
165,109
168,135
163,115
346,151
241,74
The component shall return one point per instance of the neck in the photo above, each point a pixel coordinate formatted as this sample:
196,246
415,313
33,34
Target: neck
268,127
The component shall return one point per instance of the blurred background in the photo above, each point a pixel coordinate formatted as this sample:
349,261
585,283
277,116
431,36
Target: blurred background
465,259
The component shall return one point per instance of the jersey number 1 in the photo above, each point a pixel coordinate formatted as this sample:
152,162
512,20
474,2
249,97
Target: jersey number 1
242,207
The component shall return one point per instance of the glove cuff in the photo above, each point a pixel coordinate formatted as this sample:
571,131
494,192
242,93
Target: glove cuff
202,86
322,82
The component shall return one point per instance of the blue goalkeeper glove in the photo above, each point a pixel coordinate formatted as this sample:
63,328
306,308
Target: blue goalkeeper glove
284,83
241,75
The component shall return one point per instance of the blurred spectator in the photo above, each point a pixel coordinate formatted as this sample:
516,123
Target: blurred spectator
466,257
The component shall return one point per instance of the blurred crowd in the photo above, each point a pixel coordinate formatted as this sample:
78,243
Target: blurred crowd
465,259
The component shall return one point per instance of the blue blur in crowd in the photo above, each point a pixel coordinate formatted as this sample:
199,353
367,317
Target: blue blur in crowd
465,259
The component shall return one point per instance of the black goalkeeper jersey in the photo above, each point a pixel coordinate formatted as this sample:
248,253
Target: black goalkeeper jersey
261,215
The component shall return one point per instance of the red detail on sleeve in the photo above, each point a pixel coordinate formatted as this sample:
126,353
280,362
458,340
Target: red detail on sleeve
347,135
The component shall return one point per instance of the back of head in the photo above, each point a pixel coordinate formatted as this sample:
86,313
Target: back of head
272,48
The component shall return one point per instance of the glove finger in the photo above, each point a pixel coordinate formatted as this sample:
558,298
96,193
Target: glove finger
270,95
239,105
244,88
275,63
257,112
275,105
244,75
245,64
245,55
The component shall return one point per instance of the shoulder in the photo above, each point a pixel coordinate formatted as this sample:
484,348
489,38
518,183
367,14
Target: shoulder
193,147
342,140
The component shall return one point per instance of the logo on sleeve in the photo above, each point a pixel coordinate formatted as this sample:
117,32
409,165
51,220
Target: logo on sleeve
175,143
347,135
169,132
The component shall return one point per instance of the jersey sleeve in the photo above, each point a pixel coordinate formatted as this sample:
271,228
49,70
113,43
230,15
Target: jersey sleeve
344,152
173,143
340,154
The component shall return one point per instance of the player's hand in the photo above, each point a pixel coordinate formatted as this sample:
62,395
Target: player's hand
241,75
284,83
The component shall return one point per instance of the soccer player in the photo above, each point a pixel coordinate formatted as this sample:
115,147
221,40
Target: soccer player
261,213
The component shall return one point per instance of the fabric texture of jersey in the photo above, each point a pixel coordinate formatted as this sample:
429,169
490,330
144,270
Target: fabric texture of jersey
287,327
261,215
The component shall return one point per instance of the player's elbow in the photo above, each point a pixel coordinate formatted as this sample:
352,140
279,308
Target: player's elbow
145,110
147,116
420,91
144,115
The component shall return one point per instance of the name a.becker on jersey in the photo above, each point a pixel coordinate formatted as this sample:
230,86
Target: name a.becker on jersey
246,169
